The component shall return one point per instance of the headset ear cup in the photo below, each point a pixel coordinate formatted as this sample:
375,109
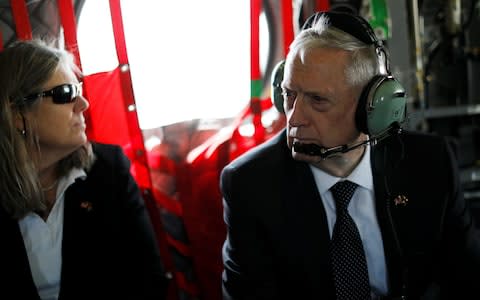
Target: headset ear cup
381,105
276,89
361,112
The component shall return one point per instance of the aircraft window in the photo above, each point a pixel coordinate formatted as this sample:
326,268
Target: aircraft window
189,59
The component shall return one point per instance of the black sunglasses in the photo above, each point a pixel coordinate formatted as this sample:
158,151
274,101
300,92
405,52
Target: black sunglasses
61,94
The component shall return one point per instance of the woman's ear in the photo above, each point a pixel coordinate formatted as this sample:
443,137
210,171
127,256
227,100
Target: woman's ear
20,123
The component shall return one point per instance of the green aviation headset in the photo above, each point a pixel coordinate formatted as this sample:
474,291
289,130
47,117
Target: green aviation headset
382,103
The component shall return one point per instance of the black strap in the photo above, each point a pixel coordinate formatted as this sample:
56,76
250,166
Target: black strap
354,25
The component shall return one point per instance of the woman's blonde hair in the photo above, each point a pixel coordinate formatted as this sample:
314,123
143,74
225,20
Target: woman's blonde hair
25,67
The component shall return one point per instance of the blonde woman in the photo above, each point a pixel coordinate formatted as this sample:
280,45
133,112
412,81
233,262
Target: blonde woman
73,224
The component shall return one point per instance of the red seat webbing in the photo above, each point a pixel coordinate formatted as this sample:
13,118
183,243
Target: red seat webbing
66,13
21,20
287,24
136,137
323,5
67,18
1,41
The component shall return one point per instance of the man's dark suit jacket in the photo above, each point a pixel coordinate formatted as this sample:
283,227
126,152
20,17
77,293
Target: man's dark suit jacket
108,248
278,240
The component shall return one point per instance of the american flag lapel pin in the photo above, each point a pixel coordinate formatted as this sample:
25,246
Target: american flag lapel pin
86,205
400,200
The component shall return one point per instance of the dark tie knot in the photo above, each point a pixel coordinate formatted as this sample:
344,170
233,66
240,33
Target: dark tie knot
342,192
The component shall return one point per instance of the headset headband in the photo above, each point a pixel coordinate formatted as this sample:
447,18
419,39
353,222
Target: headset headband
349,23
357,27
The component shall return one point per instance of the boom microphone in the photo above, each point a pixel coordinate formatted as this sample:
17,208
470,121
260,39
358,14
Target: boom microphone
316,150
323,153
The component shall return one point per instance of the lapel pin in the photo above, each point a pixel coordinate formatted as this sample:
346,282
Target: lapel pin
400,200
86,205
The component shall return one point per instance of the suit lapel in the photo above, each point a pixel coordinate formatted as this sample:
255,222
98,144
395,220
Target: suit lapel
14,261
82,212
307,219
79,230
383,178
